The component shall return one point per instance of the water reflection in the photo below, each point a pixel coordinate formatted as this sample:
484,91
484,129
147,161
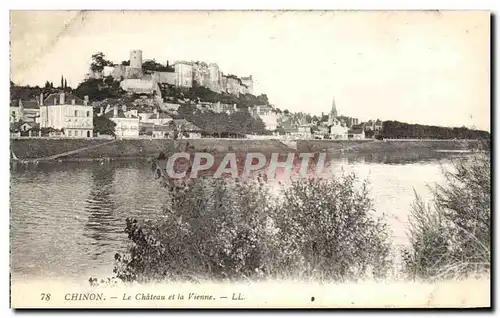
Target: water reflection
101,207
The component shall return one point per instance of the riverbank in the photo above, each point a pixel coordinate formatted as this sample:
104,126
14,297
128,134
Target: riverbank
381,146
97,149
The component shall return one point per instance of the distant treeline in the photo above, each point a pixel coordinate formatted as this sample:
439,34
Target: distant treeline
397,130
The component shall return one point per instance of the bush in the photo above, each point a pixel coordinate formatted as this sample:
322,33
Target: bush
450,237
327,229
212,228
227,229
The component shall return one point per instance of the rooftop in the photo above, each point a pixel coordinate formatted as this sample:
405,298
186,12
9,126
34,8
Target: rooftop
55,99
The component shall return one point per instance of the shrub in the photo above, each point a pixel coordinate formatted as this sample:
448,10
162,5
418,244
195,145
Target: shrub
212,228
227,229
327,229
450,236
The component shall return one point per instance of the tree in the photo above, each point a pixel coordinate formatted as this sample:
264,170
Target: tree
99,62
47,84
242,122
65,84
104,125
62,81
220,123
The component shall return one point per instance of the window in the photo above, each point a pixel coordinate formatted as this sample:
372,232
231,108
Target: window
76,133
69,133
88,114
76,113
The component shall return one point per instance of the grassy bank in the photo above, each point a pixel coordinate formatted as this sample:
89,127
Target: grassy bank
146,148
134,148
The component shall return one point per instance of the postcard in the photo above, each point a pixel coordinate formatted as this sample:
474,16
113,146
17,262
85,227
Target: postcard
250,159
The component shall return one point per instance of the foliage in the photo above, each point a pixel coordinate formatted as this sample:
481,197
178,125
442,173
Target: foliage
152,65
99,62
99,89
451,235
199,93
104,125
395,129
31,93
225,229
237,123
327,229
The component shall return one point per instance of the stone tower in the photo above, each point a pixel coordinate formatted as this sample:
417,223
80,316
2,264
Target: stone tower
135,64
136,59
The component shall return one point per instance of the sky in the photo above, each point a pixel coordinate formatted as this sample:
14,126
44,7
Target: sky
426,67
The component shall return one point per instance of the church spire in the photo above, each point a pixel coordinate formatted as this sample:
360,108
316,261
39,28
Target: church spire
334,109
333,113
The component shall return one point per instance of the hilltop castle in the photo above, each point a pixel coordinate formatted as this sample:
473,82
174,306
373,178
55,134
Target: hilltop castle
181,74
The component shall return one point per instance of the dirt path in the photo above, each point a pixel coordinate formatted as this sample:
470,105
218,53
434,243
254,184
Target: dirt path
64,154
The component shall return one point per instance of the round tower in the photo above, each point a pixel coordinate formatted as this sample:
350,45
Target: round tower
214,72
136,59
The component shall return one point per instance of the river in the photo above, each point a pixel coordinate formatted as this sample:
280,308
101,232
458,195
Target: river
67,219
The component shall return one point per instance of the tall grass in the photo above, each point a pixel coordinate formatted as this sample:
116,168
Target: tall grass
450,235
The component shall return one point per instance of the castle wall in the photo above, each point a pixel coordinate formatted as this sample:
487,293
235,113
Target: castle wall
183,75
164,77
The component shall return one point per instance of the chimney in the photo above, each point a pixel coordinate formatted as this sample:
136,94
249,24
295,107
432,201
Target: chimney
115,111
73,101
41,99
86,100
61,99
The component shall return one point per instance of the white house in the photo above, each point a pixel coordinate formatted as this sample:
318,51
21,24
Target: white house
268,116
338,129
68,113
127,122
356,133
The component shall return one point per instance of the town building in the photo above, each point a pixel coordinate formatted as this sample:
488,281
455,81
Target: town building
24,111
356,133
163,131
267,114
158,118
187,129
68,113
338,129
127,122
